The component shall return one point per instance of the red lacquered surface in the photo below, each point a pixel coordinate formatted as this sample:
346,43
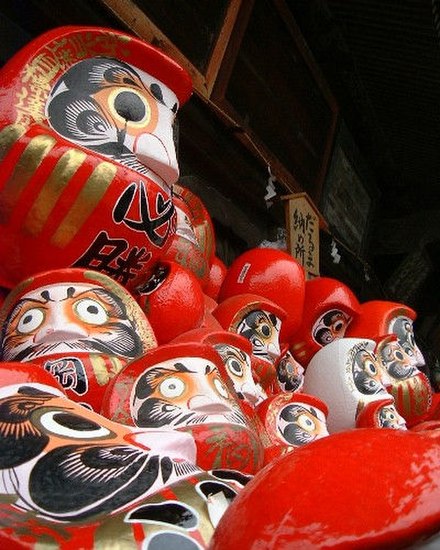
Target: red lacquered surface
332,302
273,274
365,488
172,299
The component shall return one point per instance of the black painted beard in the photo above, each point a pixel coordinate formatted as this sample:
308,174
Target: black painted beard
125,342
155,413
295,435
401,371
76,482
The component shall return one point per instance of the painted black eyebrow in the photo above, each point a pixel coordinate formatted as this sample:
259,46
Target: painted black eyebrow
180,367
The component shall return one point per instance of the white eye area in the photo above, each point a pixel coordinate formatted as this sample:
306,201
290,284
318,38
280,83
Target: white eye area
30,320
306,422
370,367
72,425
172,387
235,367
91,311
221,388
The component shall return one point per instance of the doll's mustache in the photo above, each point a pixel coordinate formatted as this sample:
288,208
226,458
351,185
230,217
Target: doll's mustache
124,342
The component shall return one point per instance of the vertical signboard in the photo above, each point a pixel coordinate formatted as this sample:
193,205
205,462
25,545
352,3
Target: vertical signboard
302,224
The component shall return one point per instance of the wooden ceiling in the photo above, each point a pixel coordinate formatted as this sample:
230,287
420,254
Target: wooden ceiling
382,62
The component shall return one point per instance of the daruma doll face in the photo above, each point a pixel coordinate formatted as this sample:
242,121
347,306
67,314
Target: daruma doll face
86,127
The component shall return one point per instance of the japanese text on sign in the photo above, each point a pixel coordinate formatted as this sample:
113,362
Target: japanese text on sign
303,232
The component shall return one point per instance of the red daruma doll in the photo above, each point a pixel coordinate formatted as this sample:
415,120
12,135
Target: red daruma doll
88,158
185,387
79,325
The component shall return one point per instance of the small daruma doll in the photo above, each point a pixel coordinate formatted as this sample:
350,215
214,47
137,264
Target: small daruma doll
391,325
236,353
273,274
329,308
348,376
291,421
185,387
77,324
88,157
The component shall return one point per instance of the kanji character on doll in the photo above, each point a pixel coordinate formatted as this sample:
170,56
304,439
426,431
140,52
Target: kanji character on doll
79,325
68,473
329,308
184,386
86,123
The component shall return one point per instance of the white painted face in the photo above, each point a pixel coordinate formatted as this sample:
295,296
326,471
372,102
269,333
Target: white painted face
238,366
301,423
68,318
184,391
402,327
398,363
390,418
184,228
95,465
290,374
346,375
120,111
329,326
262,329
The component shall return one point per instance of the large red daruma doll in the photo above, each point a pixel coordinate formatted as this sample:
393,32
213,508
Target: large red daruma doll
87,154
184,387
79,325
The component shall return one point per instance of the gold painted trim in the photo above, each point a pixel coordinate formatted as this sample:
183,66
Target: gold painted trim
88,199
31,158
54,186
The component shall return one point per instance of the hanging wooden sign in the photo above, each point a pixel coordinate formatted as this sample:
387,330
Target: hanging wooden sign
302,223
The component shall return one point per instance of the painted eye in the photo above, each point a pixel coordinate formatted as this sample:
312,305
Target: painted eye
221,388
71,425
172,387
130,106
30,320
234,367
323,336
306,422
398,355
91,311
338,326
370,367
265,330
